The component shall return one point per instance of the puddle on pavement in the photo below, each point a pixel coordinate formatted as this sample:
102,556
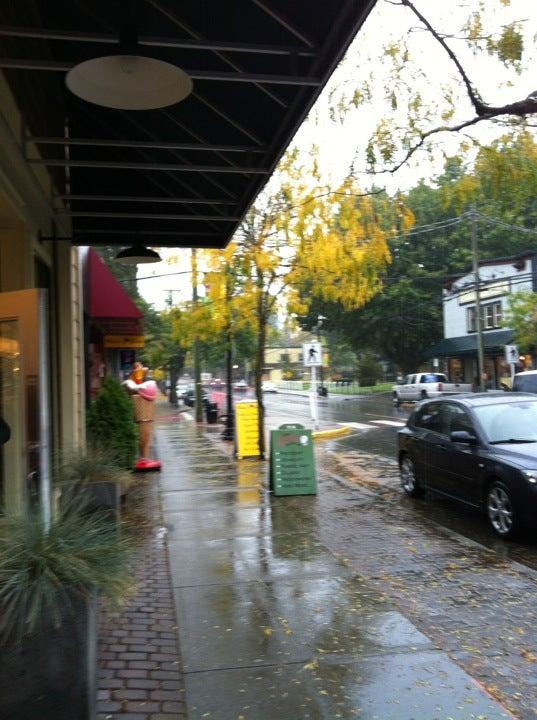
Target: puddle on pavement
329,690
261,623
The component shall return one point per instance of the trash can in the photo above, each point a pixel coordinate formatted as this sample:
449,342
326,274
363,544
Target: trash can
322,390
212,412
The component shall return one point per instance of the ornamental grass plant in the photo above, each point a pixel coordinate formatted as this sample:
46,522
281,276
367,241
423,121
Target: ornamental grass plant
43,572
79,468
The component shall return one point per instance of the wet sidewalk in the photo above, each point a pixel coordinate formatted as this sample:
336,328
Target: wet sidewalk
272,626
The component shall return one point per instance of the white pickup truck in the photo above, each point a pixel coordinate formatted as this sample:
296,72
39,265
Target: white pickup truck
426,385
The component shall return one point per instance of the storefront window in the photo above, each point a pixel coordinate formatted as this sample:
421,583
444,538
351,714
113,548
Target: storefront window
455,370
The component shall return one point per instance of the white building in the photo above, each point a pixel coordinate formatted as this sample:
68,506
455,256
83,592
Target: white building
499,278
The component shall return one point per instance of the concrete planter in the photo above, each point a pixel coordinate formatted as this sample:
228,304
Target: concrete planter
52,675
105,497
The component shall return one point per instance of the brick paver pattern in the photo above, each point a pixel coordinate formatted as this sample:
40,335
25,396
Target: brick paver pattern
139,661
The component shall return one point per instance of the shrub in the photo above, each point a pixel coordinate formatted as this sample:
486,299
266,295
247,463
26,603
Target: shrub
111,425
369,369
41,571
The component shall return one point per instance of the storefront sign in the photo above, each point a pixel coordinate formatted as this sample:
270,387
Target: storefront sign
247,429
488,290
123,341
292,463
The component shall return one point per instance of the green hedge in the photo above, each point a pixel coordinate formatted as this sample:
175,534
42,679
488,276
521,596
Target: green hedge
111,424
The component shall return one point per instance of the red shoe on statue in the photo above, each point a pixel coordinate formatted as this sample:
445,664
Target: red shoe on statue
144,464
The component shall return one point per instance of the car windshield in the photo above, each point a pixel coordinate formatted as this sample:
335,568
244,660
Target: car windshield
525,383
514,422
433,378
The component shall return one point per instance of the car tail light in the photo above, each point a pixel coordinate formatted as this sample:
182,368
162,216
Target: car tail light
440,387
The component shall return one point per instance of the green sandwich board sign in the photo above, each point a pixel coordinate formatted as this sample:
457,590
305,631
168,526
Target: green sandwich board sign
292,464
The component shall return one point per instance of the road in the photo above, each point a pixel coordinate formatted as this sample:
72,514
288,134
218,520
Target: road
471,593
370,452
373,420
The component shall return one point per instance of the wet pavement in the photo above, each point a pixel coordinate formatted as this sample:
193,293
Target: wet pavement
373,420
300,607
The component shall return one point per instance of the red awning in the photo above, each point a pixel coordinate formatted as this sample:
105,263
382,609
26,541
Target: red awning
107,301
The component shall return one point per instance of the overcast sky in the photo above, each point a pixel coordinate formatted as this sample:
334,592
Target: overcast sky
338,143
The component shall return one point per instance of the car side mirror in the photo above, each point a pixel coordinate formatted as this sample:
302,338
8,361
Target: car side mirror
463,436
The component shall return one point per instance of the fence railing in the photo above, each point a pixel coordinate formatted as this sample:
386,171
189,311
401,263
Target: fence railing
335,388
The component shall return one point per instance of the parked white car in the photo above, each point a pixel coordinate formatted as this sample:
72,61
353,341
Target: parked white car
269,387
525,382
420,386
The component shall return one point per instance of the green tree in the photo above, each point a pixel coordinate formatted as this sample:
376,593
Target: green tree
162,352
402,321
521,316
369,369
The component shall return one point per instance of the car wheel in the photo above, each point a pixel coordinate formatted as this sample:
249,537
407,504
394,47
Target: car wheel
396,400
409,481
424,395
501,511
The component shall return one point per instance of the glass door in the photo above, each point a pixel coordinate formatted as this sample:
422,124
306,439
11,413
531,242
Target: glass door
11,412
24,402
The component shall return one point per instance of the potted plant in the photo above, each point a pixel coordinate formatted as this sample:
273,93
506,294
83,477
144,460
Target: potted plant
96,474
50,577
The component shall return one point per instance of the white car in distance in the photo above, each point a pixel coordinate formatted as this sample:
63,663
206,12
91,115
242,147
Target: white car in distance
268,387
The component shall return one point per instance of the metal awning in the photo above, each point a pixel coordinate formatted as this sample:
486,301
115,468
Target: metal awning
494,341
184,175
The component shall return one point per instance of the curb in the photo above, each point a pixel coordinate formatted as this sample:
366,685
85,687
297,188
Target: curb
330,433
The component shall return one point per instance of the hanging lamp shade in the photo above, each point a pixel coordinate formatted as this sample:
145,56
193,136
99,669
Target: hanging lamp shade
129,79
137,254
129,82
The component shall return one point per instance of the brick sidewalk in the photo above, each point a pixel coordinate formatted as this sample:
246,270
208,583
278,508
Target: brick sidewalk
140,674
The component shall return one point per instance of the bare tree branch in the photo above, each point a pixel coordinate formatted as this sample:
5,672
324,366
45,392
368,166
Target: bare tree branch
479,106
518,109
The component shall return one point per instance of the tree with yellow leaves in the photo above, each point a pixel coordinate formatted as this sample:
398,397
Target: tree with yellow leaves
303,234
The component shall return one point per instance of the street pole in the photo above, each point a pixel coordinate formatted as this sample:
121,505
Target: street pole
195,345
229,433
313,398
321,375
320,320
478,319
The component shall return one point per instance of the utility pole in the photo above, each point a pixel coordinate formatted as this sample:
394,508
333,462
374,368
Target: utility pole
229,432
478,318
195,345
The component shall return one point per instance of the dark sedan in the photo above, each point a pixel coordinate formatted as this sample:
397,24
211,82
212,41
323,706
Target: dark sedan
189,399
480,449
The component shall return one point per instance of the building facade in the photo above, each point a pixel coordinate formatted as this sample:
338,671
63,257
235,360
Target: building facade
284,360
456,354
42,383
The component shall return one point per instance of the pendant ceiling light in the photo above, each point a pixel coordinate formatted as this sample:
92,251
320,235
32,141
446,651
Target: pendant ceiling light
137,254
129,79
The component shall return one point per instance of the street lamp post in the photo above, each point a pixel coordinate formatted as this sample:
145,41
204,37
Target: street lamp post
229,429
317,328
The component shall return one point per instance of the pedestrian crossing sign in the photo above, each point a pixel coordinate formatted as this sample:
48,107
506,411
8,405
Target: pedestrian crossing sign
312,354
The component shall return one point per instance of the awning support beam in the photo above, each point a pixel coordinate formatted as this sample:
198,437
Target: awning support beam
208,75
144,216
166,167
165,42
284,22
143,199
146,144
